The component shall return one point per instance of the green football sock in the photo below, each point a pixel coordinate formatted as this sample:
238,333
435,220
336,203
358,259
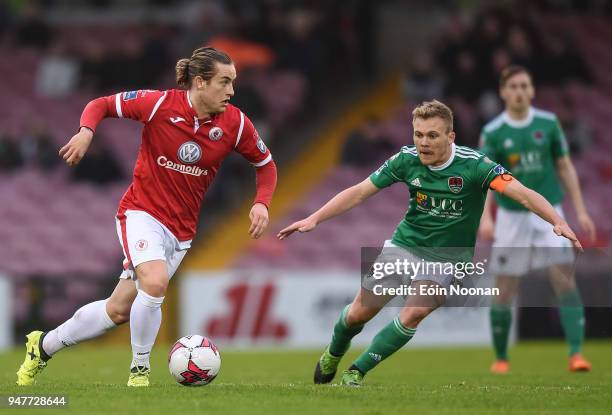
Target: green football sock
388,341
341,339
501,321
571,312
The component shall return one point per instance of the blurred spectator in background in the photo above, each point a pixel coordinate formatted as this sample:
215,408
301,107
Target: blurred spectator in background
201,22
155,55
488,106
136,61
578,130
10,158
366,146
249,97
58,73
99,167
488,35
500,59
466,82
471,58
32,30
424,81
36,147
94,68
301,49
453,42
563,64
6,18
250,101
521,50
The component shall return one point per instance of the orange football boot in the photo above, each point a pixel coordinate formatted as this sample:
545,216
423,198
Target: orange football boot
577,363
501,367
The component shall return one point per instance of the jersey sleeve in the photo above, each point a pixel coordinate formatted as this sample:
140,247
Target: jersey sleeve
390,172
487,170
250,145
559,142
138,105
486,146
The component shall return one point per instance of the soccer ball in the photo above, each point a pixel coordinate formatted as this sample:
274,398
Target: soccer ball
194,360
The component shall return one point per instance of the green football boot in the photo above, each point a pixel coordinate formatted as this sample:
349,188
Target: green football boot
352,378
326,367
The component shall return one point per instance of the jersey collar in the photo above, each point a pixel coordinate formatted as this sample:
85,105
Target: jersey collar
447,162
190,108
519,123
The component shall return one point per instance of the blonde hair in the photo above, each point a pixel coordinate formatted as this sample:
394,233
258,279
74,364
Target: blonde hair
202,63
431,109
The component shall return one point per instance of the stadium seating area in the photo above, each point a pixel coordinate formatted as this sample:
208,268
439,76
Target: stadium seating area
336,243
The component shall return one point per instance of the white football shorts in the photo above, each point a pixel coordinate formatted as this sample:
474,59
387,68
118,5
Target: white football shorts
392,253
524,242
144,238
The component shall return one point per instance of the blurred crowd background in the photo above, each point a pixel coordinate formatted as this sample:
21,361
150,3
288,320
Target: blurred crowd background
300,63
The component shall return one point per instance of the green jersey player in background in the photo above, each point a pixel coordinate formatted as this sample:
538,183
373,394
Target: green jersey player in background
448,186
531,143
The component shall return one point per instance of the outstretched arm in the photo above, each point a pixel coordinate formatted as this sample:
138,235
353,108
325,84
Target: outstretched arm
342,202
95,111
536,203
136,105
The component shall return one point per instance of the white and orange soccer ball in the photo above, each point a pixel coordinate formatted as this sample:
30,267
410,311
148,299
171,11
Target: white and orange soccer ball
194,360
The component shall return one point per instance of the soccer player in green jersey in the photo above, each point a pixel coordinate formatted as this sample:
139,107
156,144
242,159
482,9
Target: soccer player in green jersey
531,143
448,185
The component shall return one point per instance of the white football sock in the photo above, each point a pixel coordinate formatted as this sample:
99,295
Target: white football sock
145,319
88,322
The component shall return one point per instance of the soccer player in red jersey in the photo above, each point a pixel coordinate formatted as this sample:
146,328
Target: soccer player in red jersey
187,134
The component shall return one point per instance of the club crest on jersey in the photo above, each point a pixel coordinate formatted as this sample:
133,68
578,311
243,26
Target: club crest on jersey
508,143
215,133
538,136
455,184
190,152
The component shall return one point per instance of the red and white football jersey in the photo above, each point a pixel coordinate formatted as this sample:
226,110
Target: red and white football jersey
180,154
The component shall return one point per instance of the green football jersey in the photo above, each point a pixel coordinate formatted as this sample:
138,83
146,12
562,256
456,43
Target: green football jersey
446,201
530,149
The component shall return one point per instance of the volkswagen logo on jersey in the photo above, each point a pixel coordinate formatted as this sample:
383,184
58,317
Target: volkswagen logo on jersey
190,152
455,184
215,133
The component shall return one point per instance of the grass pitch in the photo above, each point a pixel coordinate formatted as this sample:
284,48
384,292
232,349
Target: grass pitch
416,381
